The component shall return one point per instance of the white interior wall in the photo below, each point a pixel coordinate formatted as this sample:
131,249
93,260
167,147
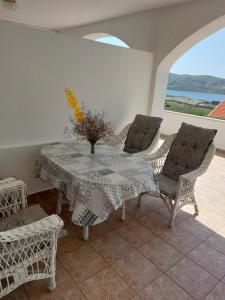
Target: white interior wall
35,68
138,31
160,31
172,122
168,33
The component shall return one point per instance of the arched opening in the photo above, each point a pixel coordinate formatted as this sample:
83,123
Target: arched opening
196,82
106,38
172,121
163,68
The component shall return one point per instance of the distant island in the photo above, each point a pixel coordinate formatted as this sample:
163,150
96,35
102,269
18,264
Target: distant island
196,83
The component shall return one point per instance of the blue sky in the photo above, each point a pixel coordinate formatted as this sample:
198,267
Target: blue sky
113,41
206,58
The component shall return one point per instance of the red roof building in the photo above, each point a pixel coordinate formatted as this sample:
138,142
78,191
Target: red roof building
218,111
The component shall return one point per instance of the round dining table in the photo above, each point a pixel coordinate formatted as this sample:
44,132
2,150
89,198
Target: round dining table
94,184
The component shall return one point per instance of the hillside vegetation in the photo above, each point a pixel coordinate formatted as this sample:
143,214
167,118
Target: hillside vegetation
196,83
187,109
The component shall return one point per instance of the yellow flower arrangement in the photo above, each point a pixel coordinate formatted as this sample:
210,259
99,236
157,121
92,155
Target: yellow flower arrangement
73,102
86,124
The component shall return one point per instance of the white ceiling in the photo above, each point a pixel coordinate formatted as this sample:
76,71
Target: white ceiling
58,14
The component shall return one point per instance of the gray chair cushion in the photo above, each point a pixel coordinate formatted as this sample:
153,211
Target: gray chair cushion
20,250
167,186
141,133
188,150
23,217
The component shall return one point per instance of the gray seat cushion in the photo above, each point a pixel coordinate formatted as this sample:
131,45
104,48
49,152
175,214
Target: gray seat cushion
167,186
23,217
141,133
20,250
188,150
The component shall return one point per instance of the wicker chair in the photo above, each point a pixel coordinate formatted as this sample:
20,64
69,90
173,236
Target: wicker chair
27,248
141,127
176,194
118,140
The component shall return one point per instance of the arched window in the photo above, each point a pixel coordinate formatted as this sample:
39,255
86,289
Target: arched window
197,80
106,39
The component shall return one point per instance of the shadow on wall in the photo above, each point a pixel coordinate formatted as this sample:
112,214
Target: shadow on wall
19,162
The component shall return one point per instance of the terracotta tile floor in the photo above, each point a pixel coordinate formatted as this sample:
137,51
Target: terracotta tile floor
142,258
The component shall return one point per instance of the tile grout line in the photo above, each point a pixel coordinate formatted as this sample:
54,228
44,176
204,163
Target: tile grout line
200,242
181,287
161,272
76,285
164,272
111,265
202,267
26,292
213,247
137,249
186,256
124,281
211,290
107,265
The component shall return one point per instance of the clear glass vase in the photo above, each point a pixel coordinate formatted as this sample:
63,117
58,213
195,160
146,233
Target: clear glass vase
92,147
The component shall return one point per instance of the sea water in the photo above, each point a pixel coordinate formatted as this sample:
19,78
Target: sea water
196,95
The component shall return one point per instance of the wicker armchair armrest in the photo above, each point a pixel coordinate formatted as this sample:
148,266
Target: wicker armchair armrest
45,225
12,197
10,183
146,153
187,181
7,180
193,175
157,159
118,139
25,245
163,149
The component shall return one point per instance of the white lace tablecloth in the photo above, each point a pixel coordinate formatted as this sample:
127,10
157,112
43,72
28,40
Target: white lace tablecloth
95,184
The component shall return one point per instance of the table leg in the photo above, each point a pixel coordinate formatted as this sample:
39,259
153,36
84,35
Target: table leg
85,233
59,203
139,199
123,212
